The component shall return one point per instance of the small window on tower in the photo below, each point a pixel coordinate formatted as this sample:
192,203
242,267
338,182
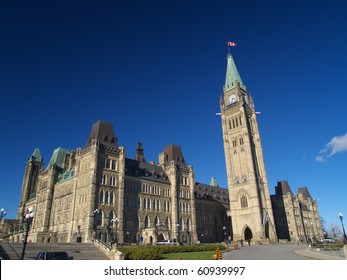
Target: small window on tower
244,202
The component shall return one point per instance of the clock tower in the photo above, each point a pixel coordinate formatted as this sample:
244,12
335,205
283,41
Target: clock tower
250,205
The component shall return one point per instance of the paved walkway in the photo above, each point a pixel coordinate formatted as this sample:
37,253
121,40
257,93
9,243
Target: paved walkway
281,252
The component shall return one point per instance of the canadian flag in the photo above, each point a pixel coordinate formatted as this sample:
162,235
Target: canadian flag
231,44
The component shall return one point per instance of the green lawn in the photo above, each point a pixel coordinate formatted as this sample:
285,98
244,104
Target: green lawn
204,255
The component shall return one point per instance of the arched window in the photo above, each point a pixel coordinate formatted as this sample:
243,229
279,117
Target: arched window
99,218
180,225
244,201
106,197
146,222
110,218
111,198
101,197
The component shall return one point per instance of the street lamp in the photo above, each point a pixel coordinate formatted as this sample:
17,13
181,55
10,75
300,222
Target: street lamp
2,214
28,220
225,233
343,228
96,213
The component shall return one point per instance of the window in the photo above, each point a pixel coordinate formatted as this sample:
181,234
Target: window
106,197
101,197
241,141
111,198
103,179
234,143
146,222
244,202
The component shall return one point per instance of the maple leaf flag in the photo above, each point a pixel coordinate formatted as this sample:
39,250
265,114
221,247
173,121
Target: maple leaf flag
231,44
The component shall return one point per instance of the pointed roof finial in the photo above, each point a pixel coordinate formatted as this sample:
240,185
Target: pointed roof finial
214,182
232,77
37,155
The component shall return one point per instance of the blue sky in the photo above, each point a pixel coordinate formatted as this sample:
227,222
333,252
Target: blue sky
156,70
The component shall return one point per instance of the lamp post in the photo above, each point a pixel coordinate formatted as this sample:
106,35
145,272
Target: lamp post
343,228
225,233
28,220
2,216
96,213
202,238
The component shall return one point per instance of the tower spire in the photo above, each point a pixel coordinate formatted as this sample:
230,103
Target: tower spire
232,77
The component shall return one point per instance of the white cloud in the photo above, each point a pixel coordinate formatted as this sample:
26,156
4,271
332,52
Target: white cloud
337,144
320,158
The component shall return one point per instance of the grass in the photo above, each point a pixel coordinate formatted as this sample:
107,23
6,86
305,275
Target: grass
204,255
334,246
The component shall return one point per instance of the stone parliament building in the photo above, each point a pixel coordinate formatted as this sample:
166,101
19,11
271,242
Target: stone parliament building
97,193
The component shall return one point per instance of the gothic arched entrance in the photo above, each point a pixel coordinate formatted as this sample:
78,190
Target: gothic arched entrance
160,237
248,233
267,230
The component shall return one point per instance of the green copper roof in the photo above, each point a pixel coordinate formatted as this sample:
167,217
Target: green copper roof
37,155
232,75
58,157
214,182
67,175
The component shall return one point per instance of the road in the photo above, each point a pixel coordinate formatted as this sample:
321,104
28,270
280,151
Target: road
265,252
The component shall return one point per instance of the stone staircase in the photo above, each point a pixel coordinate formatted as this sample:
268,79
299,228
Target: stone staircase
79,251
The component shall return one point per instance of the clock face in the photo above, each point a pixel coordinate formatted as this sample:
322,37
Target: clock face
232,98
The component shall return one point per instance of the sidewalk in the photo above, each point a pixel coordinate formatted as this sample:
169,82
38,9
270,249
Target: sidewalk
320,255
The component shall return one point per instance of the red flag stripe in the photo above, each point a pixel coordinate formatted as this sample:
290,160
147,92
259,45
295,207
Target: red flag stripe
231,44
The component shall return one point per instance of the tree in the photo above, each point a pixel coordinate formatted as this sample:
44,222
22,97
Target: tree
335,231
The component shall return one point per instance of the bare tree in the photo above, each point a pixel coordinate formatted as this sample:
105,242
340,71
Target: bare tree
335,231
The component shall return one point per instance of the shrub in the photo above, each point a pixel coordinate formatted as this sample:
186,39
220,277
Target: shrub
155,252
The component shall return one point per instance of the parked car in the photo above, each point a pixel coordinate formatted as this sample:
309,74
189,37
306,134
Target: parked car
54,255
167,242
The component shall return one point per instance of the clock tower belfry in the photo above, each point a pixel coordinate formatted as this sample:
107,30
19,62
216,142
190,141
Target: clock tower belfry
250,205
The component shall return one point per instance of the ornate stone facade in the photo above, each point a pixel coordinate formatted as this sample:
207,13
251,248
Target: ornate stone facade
297,218
96,192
